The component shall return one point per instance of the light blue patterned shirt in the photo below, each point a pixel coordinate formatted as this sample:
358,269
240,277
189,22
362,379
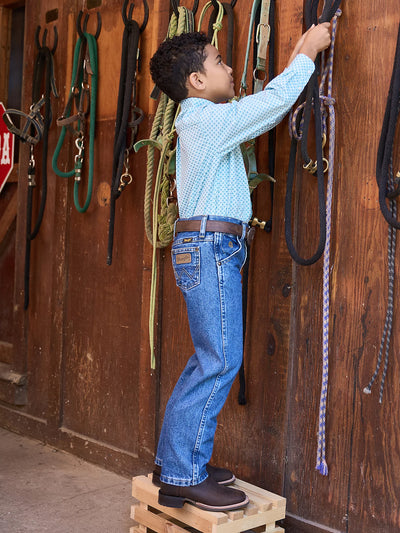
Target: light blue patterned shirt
210,173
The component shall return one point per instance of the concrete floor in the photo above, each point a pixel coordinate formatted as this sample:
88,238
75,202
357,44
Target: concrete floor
43,489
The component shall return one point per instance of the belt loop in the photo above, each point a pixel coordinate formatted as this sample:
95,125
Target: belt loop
203,226
244,230
175,228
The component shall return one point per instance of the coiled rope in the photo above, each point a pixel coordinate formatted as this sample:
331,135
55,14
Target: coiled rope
160,209
85,66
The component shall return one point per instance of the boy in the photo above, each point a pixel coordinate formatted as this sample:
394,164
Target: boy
209,247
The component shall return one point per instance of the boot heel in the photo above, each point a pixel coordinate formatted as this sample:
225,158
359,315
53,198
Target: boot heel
170,501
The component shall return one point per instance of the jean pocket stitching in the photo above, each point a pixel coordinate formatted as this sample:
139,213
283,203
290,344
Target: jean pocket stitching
187,274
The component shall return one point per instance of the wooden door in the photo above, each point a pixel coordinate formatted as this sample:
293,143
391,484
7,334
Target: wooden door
12,370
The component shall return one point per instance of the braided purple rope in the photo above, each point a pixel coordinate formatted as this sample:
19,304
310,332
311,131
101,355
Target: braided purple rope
328,101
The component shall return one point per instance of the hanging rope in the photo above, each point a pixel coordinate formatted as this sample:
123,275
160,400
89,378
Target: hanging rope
388,191
313,99
84,96
228,11
160,209
126,109
328,101
217,25
36,129
262,11
309,101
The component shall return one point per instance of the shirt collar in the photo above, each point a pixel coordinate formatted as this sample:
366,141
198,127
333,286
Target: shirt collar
191,103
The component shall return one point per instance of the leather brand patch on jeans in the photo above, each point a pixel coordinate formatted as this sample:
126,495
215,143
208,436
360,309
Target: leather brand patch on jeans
183,259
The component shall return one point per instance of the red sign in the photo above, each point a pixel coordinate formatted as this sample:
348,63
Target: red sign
6,150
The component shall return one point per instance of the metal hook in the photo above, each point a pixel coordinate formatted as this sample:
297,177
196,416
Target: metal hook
44,37
175,4
128,17
81,30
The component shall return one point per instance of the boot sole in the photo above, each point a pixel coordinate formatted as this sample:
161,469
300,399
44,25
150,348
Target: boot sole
178,502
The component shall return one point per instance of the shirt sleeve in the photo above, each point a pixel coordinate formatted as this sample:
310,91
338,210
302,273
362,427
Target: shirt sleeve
239,121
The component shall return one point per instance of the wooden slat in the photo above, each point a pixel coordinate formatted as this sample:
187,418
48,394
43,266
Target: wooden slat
13,177
5,39
6,352
159,523
8,217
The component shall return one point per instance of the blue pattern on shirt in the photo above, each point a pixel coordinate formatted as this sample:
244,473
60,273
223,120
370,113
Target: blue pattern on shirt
210,173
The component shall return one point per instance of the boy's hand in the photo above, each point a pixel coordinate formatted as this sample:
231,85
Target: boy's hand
316,39
313,41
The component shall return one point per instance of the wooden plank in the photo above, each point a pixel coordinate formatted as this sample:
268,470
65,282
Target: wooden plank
8,374
5,41
11,3
359,451
13,177
12,385
269,499
8,216
6,352
160,523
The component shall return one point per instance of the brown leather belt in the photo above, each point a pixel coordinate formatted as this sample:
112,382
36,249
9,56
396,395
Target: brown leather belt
211,225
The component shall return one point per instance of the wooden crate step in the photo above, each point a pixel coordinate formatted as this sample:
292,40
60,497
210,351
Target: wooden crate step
264,509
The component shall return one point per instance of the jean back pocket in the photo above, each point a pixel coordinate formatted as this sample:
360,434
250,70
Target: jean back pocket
186,264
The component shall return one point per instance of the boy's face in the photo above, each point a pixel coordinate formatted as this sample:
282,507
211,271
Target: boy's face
217,77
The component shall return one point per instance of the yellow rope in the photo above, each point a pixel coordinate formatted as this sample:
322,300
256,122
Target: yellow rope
160,217
217,26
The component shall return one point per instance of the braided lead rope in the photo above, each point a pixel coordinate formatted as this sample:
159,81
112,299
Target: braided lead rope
321,464
159,225
388,188
387,329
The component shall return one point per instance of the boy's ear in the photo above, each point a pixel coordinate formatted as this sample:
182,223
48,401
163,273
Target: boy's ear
195,81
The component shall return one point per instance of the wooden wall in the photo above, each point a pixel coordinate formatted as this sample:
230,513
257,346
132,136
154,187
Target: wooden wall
82,345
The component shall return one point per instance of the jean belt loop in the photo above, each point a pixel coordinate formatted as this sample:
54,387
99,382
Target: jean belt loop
244,229
203,226
175,227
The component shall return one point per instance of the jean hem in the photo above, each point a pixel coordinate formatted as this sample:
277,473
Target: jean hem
179,482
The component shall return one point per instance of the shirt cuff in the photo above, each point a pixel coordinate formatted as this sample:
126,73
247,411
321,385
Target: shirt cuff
303,63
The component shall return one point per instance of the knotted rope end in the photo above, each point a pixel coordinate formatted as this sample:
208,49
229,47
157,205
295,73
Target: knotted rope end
367,390
322,467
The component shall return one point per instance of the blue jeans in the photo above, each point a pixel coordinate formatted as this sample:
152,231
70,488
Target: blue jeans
207,268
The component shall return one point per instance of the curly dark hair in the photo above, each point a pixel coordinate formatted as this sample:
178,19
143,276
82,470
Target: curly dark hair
175,60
